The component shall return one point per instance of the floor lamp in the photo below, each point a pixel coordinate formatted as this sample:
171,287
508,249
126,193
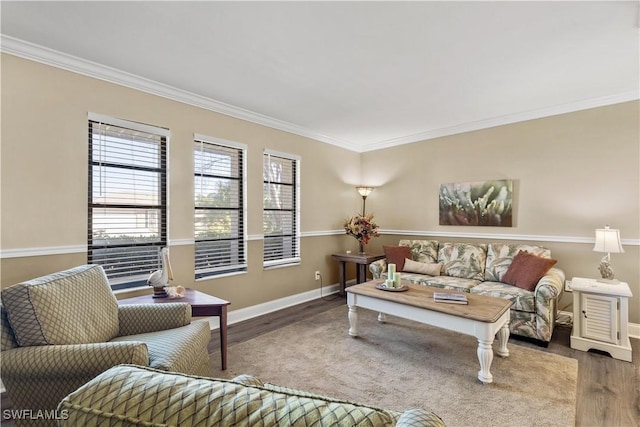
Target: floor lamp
364,192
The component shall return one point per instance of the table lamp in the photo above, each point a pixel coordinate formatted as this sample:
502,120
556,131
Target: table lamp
607,241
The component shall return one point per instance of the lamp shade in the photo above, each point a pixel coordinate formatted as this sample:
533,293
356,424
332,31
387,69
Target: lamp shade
364,191
608,240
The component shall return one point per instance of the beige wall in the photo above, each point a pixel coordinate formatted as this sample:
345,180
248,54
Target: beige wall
573,173
44,180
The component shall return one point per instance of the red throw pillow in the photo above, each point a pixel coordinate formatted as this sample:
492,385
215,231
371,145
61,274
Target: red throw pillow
396,255
526,270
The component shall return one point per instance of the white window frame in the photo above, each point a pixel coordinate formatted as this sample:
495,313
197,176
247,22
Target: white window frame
140,278
214,272
296,259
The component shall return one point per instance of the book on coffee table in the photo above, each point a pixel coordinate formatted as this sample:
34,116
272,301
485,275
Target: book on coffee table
455,298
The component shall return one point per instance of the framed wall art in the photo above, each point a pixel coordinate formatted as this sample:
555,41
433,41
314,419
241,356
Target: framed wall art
485,203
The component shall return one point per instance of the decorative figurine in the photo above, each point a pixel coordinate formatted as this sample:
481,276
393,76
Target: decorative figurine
159,279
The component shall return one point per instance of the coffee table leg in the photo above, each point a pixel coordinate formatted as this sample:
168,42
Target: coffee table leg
503,338
353,319
485,356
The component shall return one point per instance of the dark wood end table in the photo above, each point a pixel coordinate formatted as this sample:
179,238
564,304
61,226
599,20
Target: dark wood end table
202,305
361,260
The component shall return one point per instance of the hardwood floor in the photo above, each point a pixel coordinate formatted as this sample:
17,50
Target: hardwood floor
608,390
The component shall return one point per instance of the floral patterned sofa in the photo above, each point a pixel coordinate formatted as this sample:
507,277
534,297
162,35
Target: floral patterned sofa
480,269
128,395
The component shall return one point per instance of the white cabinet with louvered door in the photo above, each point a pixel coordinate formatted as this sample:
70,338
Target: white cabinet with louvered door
600,317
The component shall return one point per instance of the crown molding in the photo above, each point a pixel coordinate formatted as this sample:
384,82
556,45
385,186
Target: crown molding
555,110
54,58
41,54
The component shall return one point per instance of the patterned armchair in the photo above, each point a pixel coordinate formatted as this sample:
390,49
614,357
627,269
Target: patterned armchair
61,330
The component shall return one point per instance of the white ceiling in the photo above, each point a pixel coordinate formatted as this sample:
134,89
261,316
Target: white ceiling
363,75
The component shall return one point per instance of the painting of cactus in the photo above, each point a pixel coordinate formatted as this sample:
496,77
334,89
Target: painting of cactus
486,203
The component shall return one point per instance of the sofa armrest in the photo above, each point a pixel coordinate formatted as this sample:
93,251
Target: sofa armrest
547,293
142,318
378,267
550,286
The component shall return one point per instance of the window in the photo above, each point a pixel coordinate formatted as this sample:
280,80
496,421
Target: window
220,241
280,215
127,207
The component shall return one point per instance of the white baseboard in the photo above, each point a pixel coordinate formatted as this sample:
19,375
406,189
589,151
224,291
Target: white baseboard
634,330
247,313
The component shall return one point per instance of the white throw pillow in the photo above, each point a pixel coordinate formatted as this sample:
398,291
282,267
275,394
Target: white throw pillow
411,266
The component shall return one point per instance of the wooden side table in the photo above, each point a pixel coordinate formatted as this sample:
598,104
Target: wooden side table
202,305
361,261
600,317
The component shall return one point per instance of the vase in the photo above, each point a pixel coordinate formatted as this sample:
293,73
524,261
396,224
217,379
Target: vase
360,248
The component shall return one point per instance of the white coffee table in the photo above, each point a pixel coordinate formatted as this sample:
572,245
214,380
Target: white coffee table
483,317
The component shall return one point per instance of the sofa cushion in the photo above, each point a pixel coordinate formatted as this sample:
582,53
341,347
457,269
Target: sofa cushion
526,270
431,269
522,299
442,282
463,260
396,255
422,250
500,255
74,306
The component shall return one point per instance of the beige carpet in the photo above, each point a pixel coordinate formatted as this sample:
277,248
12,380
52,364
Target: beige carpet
402,364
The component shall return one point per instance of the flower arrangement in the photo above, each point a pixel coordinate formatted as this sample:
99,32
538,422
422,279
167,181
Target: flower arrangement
362,227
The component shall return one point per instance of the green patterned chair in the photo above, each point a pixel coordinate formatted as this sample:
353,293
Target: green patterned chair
61,330
131,395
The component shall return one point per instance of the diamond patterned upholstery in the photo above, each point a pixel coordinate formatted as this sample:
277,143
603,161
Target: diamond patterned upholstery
76,298
418,417
133,395
38,375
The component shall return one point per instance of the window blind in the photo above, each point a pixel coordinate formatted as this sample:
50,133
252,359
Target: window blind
281,209
127,209
219,222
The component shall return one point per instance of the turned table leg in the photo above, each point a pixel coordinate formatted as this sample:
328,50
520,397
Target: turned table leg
353,319
485,356
503,337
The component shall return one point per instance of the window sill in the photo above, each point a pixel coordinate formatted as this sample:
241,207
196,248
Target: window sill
219,276
284,265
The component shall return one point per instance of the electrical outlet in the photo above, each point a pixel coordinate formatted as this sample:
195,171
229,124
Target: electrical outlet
317,275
